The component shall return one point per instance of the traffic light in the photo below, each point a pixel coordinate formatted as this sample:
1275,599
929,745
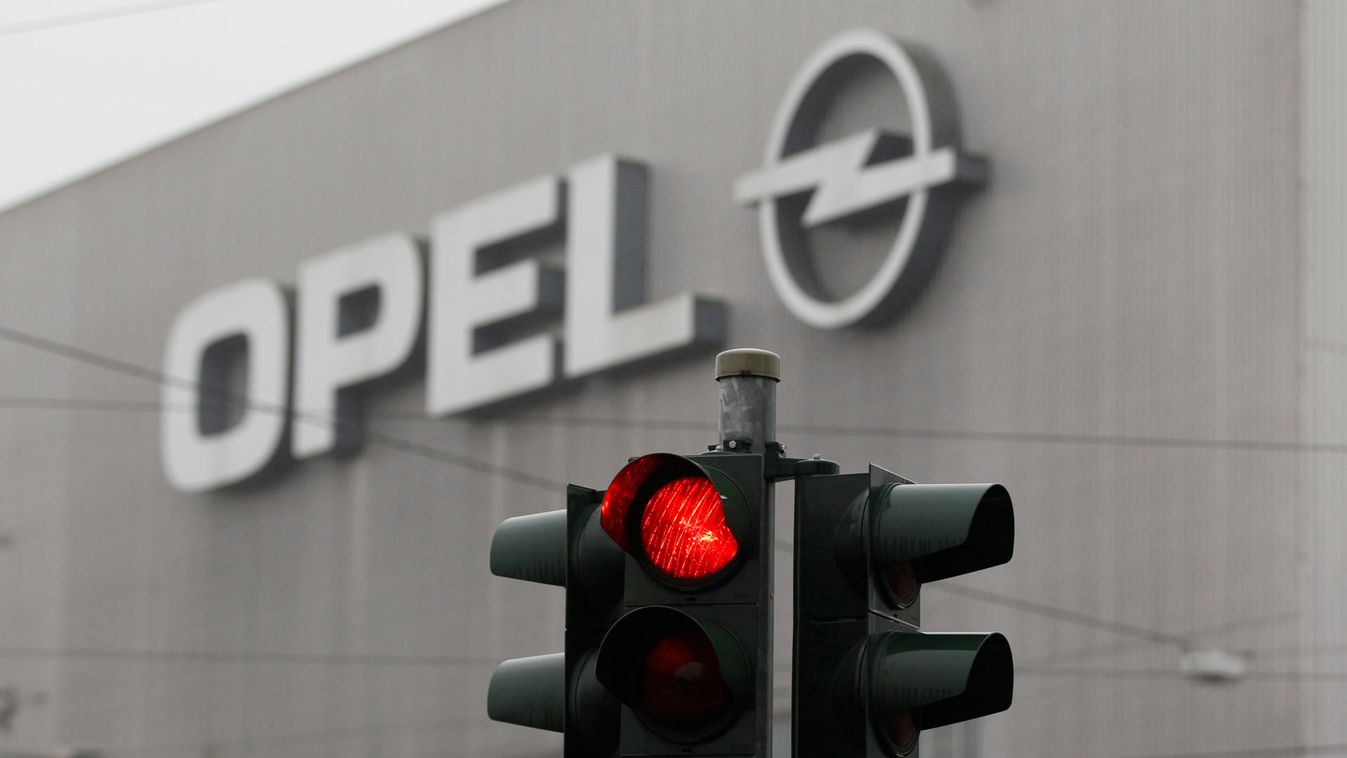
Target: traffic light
668,611
668,576
559,692
866,679
690,658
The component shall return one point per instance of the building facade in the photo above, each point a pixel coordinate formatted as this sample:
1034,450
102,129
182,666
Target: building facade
1131,319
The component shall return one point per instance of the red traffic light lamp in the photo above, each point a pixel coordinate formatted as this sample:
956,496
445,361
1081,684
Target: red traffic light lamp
683,521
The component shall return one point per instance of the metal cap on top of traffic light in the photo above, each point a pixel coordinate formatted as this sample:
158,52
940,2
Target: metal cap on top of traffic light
866,680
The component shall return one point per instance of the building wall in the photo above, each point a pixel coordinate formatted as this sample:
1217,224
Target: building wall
1323,362
1118,334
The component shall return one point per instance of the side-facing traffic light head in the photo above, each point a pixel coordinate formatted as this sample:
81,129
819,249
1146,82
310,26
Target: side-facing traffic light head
529,692
560,692
866,679
922,681
927,532
686,524
531,548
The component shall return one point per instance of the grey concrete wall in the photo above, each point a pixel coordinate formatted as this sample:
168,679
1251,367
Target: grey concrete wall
1323,363
1116,335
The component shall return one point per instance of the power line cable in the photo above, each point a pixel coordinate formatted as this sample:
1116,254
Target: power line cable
106,14
1308,650
432,453
1181,641
1265,752
1068,616
963,435
1126,644
1055,613
1055,438
1048,438
384,439
88,405
349,734
1106,673
80,355
470,463
10,652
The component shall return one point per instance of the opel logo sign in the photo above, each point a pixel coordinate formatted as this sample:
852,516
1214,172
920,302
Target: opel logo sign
863,172
465,280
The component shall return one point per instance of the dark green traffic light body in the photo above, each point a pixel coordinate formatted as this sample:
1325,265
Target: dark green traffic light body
560,692
668,612
866,679
690,657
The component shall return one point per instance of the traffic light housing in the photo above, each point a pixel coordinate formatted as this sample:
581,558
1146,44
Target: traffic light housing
866,680
668,576
668,611
690,658
560,692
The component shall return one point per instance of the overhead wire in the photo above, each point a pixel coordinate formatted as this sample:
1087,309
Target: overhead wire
105,14
430,452
1047,438
1264,752
1171,673
1296,650
326,736
1069,616
1196,633
14,652
379,438
1131,631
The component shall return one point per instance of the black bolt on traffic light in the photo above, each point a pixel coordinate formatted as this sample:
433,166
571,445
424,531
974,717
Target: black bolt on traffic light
866,679
560,692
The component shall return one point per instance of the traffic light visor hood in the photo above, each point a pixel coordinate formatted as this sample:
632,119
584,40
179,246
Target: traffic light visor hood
943,530
671,514
531,548
529,692
963,676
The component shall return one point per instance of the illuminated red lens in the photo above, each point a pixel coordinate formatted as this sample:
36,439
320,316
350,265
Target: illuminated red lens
621,493
683,530
682,687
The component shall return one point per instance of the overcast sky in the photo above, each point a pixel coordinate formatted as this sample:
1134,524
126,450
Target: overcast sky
85,83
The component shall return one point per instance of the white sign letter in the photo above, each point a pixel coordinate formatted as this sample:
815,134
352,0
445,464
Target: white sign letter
608,322
197,459
339,347
463,373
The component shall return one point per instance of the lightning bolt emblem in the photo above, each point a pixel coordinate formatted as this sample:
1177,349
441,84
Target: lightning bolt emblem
845,179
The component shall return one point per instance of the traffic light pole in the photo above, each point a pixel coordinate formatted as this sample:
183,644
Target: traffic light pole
747,379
